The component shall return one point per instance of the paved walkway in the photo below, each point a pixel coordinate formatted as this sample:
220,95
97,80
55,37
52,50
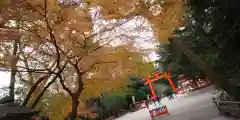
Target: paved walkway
196,106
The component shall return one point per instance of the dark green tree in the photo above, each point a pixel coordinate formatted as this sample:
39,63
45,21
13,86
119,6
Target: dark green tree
139,90
176,64
210,41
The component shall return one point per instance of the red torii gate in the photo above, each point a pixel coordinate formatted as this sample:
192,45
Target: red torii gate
158,77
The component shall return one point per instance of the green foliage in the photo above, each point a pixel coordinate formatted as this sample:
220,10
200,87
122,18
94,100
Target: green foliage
160,88
139,89
218,28
113,102
177,64
163,81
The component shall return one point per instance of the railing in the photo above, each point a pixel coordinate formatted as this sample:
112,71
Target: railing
230,102
227,107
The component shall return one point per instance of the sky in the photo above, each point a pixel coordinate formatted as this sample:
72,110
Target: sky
5,77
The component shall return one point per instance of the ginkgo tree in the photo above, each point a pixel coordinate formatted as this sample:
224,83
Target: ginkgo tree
102,78
57,44
68,32
129,63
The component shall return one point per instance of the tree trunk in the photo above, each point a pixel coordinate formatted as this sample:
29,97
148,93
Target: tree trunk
48,85
212,75
13,70
14,61
42,92
33,88
75,104
75,96
35,85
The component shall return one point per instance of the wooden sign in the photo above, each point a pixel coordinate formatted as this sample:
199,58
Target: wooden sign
157,112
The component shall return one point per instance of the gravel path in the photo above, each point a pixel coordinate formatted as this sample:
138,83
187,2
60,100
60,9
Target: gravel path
196,106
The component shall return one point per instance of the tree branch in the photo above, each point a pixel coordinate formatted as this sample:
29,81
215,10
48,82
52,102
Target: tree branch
32,7
80,83
64,86
31,70
51,34
48,85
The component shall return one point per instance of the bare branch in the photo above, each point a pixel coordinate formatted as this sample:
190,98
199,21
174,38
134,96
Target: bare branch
51,34
35,71
64,86
32,7
98,41
108,29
